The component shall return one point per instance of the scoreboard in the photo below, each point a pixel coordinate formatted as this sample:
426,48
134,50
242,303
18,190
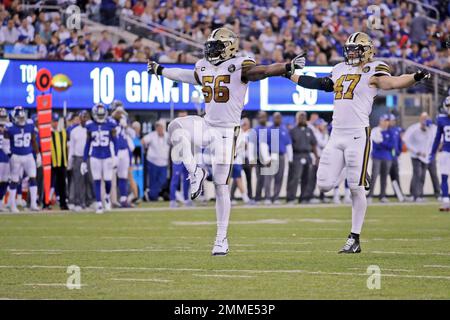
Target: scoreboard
103,82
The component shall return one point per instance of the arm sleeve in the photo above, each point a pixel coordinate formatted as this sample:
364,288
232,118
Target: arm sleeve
324,84
437,139
181,75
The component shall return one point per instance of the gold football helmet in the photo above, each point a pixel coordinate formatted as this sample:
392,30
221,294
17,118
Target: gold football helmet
222,44
358,49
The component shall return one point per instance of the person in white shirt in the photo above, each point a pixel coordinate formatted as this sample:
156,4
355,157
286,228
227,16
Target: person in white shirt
157,159
81,185
418,138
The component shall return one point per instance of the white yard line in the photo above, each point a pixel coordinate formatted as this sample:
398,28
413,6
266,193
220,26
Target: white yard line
158,209
255,271
141,280
437,266
49,284
222,276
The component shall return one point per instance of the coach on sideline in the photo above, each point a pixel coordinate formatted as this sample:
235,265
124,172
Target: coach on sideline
81,191
382,155
418,139
157,159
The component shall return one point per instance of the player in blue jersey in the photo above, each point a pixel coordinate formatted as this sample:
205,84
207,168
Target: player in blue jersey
24,148
443,130
124,147
101,136
4,156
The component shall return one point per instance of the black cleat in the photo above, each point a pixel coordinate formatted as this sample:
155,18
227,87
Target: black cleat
368,182
351,246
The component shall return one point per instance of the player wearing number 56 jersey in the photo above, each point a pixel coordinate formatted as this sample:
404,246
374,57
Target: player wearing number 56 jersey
355,84
101,137
224,77
443,132
24,148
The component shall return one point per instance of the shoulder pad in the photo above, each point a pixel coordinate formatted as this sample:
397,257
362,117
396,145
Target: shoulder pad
29,121
381,68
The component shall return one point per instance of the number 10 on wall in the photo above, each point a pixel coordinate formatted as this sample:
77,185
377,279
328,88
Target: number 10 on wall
103,85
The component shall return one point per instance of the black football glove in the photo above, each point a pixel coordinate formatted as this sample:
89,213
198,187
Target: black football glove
422,75
154,68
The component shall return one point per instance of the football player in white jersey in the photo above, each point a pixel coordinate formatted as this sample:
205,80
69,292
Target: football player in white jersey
355,84
224,78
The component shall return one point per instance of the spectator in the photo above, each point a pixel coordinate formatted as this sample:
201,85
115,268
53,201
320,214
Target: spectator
157,144
303,143
10,34
418,139
382,155
105,43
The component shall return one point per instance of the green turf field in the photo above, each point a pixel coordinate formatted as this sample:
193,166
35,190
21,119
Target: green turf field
276,253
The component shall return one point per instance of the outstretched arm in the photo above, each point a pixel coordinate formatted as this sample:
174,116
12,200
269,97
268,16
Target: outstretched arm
254,73
400,82
324,84
175,74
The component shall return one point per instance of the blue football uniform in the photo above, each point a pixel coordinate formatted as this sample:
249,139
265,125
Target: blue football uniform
100,139
443,133
20,137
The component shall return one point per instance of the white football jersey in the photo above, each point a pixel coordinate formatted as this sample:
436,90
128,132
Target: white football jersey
223,90
353,96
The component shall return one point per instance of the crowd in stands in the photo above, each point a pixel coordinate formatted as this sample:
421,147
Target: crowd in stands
270,31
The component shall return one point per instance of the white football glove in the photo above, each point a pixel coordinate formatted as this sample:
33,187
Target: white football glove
38,160
83,168
298,62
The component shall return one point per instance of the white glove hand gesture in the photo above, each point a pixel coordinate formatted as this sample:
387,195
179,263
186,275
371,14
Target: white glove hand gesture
298,62
83,168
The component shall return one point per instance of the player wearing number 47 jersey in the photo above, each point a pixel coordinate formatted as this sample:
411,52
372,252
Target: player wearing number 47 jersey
101,136
224,78
24,148
443,131
355,84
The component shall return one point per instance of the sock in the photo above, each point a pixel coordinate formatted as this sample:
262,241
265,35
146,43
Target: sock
3,187
123,184
359,207
108,187
354,236
12,195
33,192
98,190
348,193
33,196
444,186
223,208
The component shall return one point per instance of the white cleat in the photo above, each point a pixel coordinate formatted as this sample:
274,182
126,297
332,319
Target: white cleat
35,208
14,210
337,200
196,181
77,209
99,208
107,204
348,200
220,247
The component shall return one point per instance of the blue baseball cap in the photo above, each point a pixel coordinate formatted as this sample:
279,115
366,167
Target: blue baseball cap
384,117
55,117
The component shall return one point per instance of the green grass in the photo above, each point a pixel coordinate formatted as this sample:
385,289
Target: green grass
287,253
